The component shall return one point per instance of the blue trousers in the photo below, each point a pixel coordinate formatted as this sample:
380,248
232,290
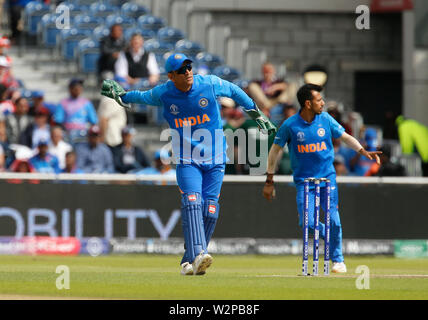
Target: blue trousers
205,180
335,226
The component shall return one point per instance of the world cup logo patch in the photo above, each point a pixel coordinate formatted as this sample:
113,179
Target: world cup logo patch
321,132
300,136
174,109
203,102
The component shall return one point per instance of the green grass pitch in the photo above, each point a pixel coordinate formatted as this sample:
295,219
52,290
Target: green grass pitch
230,277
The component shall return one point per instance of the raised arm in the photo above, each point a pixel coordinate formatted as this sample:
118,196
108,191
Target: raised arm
112,89
225,88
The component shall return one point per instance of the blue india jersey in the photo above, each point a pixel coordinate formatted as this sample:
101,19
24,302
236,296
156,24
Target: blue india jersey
310,145
194,116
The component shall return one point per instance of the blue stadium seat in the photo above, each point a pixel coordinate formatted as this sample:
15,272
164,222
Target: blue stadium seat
88,53
227,73
116,3
149,22
133,10
125,22
86,21
147,34
74,8
211,61
158,48
102,10
189,48
70,39
170,35
33,13
84,3
48,30
100,32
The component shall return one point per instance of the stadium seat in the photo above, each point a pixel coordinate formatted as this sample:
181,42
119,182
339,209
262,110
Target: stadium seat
158,48
48,30
147,34
170,35
227,73
74,8
124,21
86,21
100,32
133,10
88,53
33,13
102,10
149,22
189,48
69,40
211,61
84,3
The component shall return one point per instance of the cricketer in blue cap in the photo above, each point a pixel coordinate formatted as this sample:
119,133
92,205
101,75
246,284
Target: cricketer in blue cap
191,108
175,61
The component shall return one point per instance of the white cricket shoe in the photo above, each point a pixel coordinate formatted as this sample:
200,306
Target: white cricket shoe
339,267
186,269
201,263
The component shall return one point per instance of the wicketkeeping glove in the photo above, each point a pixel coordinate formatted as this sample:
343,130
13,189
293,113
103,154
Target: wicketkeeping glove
112,89
264,124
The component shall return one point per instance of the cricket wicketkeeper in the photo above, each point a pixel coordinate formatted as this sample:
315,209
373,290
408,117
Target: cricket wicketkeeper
191,109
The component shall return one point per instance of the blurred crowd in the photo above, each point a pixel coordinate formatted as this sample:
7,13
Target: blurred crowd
74,136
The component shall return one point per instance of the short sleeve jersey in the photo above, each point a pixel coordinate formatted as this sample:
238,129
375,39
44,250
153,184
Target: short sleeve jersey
310,145
194,116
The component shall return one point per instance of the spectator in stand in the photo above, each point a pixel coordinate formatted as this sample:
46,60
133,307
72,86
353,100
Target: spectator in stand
2,160
6,77
58,147
6,105
388,167
22,166
15,13
94,156
414,138
335,110
112,118
17,123
339,165
43,161
233,119
5,44
161,167
70,163
38,130
270,91
127,156
110,47
38,100
76,113
360,165
135,63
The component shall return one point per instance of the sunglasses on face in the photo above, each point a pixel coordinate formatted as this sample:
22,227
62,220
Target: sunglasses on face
183,69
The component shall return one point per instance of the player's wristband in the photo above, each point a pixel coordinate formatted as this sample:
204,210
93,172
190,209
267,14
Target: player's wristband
269,178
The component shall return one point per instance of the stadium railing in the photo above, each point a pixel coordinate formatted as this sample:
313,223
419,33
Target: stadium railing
118,177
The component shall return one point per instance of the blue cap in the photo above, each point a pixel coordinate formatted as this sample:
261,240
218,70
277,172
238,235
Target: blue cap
37,94
175,61
42,142
371,139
